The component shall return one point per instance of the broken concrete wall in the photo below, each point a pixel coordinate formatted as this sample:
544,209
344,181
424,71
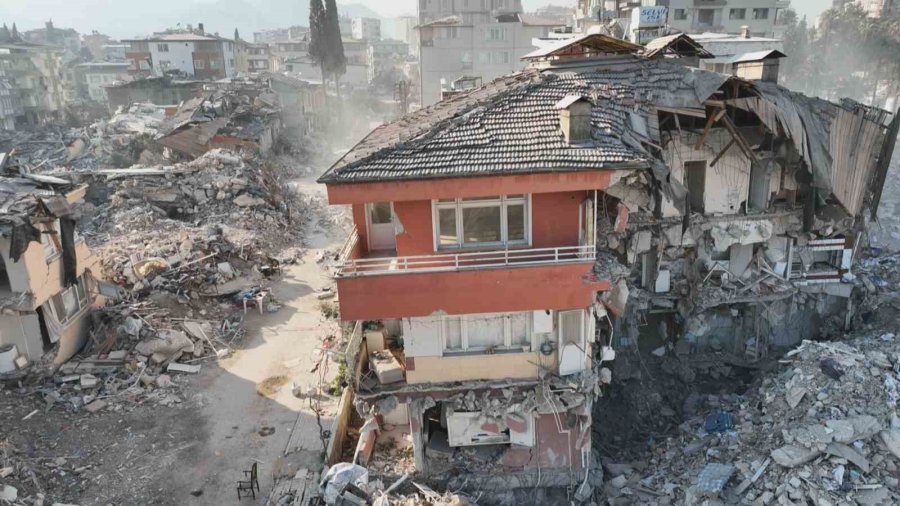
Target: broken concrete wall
726,184
22,329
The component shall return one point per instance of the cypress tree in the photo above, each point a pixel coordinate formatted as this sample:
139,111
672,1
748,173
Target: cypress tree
335,61
15,33
318,42
4,34
237,36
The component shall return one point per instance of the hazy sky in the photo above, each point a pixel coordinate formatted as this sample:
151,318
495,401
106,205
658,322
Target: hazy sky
123,18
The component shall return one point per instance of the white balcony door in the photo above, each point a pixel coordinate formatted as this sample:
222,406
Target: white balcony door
380,218
572,346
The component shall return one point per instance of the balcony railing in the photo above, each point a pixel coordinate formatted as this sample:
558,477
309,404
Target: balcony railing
448,262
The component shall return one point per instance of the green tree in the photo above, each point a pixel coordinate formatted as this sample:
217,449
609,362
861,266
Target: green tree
237,36
15,33
5,36
317,38
335,60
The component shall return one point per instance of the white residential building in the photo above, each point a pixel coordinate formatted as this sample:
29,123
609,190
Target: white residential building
470,11
727,47
196,55
451,48
366,29
762,17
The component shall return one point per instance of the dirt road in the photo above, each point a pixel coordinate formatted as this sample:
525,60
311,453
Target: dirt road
234,413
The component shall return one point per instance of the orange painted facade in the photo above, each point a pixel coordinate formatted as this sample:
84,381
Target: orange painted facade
554,223
510,289
554,218
461,187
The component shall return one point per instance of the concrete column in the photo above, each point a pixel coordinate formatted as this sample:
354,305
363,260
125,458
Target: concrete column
416,429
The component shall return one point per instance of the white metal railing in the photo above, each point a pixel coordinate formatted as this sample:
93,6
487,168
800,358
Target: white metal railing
347,249
467,260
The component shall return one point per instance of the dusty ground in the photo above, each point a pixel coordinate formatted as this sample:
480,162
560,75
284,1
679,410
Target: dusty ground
194,452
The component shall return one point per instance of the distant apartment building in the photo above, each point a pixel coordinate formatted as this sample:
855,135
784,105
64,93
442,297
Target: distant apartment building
384,54
470,11
366,29
7,107
259,57
190,54
300,64
290,50
345,24
452,47
94,43
93,78
405,30
280,34
762,17
66,38
32,74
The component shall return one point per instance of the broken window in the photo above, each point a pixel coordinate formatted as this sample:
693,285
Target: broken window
481,221
695,180
69,303
487,332
706,16
737,14
760,13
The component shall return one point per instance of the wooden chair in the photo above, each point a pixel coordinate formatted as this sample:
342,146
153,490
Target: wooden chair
248,485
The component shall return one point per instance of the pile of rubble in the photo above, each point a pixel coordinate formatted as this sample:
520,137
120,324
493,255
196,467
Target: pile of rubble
822,429
124,139
192,228
134,355
347,483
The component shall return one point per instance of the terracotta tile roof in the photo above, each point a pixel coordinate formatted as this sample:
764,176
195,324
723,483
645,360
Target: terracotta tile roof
511,125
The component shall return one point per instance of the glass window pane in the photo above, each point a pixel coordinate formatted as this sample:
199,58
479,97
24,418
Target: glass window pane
447,227
453,333
515,222
486,199
380,213
518,324
520,196
70,302
481,225
485,331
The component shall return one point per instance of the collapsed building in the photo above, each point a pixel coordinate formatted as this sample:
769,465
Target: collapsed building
222,120
509,239
46,283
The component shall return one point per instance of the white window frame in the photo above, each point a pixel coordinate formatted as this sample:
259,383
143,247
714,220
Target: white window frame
82,299
582,331
508,345
459,204
162,48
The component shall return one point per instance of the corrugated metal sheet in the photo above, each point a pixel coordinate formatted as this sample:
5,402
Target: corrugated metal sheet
839,144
